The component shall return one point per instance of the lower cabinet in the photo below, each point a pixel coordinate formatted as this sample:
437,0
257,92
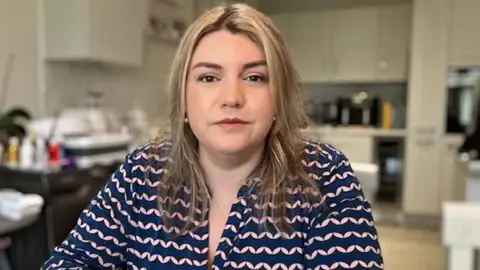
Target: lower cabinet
454,171
358,149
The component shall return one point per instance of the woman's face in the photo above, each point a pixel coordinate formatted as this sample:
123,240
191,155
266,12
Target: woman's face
228,98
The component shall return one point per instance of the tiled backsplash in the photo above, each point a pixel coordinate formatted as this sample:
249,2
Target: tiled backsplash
67,84
122,87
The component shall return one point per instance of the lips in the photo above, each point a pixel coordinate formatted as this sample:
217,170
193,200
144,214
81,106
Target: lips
231,121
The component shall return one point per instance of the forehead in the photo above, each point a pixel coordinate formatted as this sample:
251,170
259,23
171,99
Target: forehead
225,47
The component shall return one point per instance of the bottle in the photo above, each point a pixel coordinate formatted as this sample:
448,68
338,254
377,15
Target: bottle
41,155
13,151
26,153
54,153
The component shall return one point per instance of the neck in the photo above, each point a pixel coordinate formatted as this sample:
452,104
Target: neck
225,174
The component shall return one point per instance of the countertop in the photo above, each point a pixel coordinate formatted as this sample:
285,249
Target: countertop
356,131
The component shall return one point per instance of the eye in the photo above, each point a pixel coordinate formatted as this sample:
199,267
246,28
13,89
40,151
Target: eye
256,78
207,79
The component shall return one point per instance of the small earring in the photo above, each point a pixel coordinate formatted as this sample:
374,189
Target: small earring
274,118
186,120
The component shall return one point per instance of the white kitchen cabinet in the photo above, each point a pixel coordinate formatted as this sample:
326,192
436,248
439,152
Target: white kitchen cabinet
372,43
284,24
110,31
393,42
355,44
360,44
358,149
311,45
426,101
311,53
454,171
464,37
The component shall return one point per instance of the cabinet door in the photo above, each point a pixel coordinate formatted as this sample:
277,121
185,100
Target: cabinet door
109,31
465,38
454,172
357,149
118,30
355,43
284,24
66,29
311,45
394,23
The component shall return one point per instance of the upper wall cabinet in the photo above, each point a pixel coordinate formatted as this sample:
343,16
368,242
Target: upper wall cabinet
110,31
393,43
464,37
355,44
310,53
363,44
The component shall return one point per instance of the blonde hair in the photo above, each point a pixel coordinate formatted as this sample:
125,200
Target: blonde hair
282,160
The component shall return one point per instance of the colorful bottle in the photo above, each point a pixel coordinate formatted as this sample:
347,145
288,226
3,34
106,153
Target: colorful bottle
55,153
13,151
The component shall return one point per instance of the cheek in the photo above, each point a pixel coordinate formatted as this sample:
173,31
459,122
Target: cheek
189,95
193,99
197,106
264,106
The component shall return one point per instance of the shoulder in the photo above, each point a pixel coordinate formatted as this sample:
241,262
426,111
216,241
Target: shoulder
322,159
331,170
145,165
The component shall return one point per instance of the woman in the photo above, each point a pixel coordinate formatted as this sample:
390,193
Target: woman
234,186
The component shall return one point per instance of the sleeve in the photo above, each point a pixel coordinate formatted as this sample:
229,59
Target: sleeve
99,239
343,236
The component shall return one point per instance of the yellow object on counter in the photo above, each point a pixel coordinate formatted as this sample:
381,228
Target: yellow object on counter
387,115
13,151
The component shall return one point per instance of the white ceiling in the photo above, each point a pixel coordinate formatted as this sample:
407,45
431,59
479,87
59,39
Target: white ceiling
281,6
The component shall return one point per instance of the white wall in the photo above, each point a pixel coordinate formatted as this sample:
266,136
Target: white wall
18,35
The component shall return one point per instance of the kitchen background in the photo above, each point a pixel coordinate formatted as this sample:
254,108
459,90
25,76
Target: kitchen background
392,83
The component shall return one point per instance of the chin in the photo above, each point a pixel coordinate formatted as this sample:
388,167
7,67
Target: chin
230,147
231,143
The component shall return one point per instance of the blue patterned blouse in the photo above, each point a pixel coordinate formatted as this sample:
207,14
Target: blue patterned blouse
122,227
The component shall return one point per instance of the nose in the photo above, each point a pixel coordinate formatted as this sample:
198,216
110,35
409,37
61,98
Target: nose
233,95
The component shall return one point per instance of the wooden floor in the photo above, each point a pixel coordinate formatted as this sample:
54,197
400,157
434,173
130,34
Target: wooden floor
405,248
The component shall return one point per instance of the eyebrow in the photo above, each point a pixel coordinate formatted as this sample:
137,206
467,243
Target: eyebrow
217,66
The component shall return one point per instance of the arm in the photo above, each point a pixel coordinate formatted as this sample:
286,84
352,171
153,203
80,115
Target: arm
99,239
344,235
